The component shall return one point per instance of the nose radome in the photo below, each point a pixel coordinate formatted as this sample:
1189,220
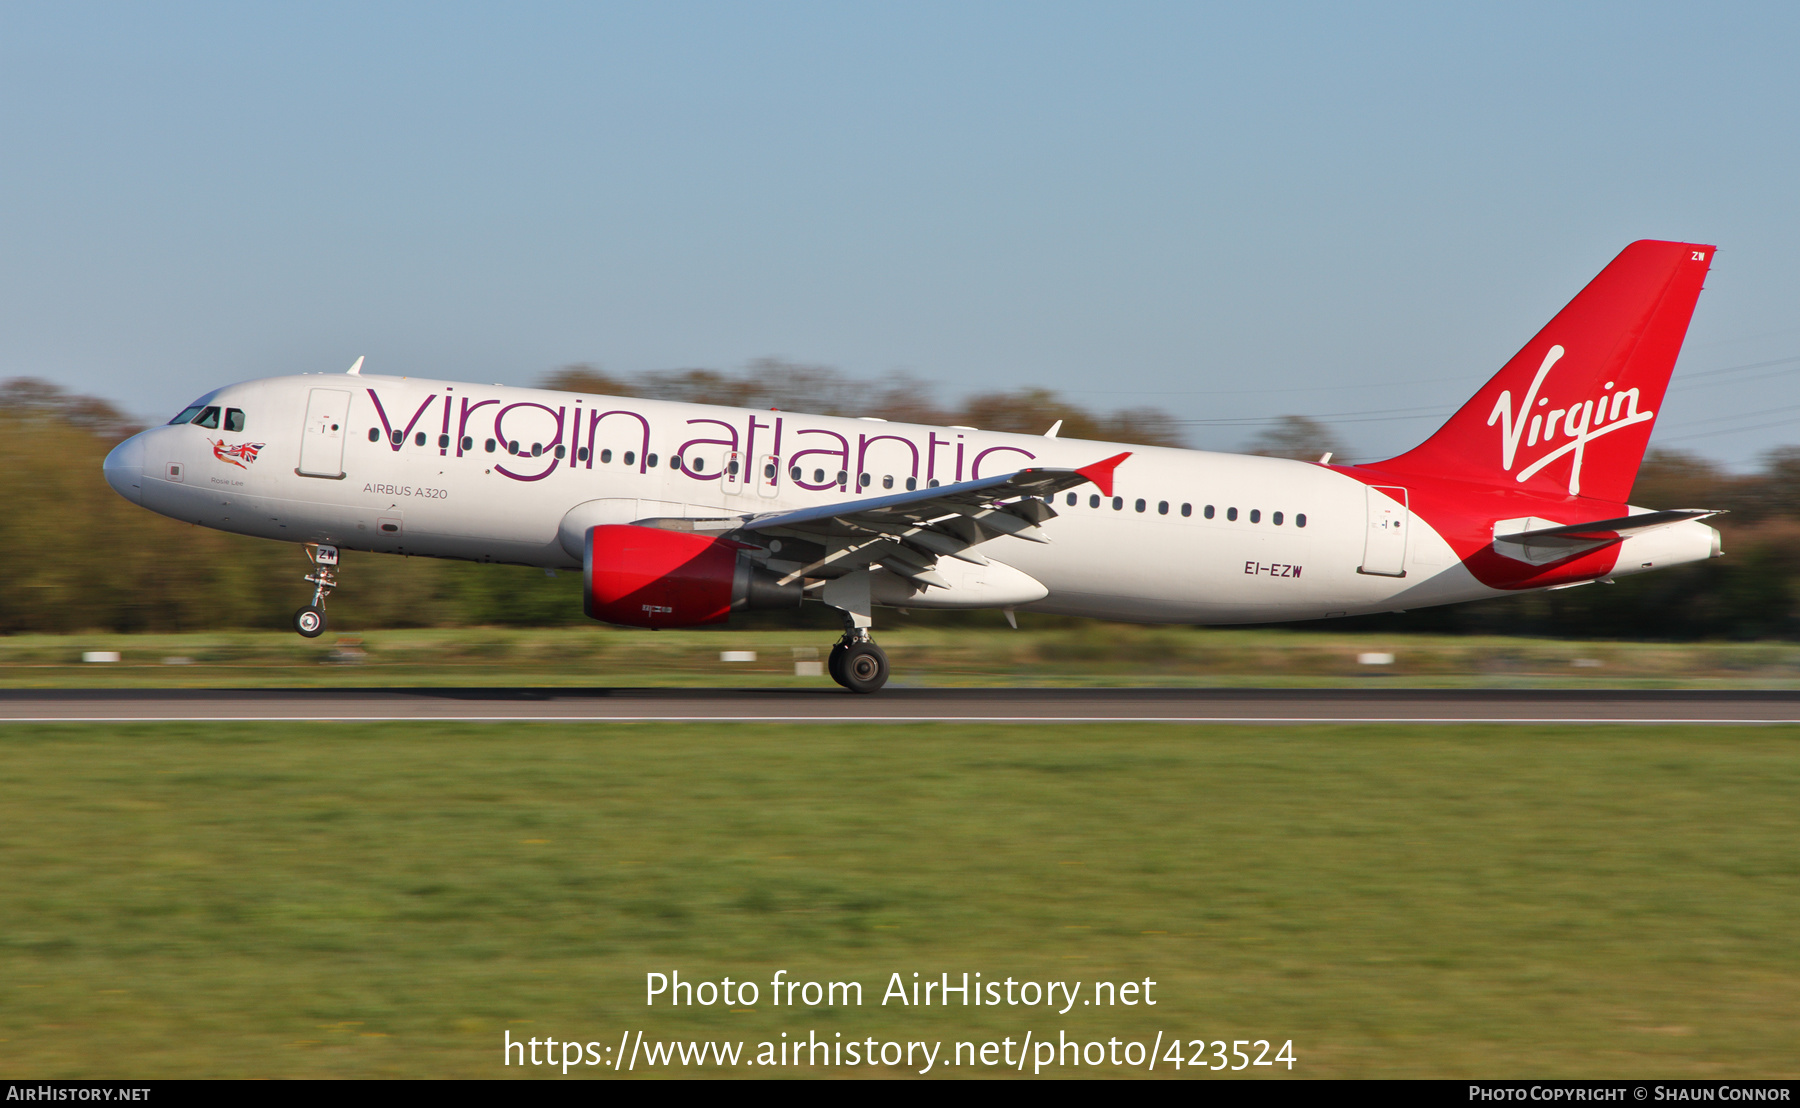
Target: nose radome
124,468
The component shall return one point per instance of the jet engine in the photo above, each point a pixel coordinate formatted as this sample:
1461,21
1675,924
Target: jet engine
647,577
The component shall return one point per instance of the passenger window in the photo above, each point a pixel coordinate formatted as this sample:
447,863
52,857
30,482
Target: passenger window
561,451
732,467
862,480
1276,518
419,439
374,434
1073,500
1118,503
699,464
842,478
650,460
887,482
513,447
1139,505
1162,507
912,484
1231,514
490,446
933,482
1256,515
443,442
186,414
582,454
208,419
399,437
1187,510
818,477
1094,501
537,450
1300,520
468,443
606,457
1209,512
630,457
234,419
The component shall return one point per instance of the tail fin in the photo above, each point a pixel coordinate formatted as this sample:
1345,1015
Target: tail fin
1572,412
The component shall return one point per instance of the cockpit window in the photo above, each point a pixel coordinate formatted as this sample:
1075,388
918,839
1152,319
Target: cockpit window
208,419
234,419
186,414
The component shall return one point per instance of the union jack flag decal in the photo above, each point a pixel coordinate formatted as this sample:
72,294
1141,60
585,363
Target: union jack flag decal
240,455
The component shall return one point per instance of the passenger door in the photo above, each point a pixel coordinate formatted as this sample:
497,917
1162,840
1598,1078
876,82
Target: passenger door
322,439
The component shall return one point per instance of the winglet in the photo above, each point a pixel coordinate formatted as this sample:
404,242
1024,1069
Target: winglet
356,370
1054,428
1101,473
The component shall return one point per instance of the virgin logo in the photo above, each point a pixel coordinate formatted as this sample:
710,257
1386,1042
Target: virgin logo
1579,424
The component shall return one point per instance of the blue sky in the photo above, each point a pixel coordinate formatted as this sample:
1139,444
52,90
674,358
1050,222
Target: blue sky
1233,212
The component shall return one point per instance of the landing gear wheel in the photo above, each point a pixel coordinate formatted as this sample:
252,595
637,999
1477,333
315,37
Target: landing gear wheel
834,662
864,668
310,621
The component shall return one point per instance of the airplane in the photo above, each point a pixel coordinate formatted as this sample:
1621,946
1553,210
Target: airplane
680,514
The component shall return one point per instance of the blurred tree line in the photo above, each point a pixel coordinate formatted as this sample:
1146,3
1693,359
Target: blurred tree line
84,558
902,398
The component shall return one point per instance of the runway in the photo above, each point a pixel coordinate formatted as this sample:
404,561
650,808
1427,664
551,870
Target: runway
903,705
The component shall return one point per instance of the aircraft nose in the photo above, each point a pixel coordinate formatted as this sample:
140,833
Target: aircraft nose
124,468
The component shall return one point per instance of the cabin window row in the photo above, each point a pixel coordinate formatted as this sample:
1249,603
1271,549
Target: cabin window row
1187,510
692,464
492,446
235,422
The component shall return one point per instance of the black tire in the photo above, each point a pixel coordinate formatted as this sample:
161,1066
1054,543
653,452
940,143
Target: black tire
864,669
310,622
834,662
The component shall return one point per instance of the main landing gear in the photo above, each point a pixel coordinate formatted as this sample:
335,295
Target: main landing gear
857,663
310,620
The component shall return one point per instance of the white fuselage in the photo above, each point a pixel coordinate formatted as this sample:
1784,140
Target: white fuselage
1189,536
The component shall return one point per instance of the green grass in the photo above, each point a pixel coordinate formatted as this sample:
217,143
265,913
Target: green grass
385,900
1083,654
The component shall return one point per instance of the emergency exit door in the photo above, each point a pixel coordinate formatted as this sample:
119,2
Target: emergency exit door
322,439
1384,543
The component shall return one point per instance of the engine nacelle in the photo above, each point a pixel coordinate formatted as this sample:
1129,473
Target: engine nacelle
648,577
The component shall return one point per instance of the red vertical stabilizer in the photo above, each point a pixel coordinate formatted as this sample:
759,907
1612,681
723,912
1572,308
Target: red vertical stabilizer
1570,415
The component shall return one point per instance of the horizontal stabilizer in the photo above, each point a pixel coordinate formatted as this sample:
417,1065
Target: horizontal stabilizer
1540,541
1609,530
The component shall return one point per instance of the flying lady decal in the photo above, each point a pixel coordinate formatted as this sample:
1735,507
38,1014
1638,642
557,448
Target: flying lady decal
240,455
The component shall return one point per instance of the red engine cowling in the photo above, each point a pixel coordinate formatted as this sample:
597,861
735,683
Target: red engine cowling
647,577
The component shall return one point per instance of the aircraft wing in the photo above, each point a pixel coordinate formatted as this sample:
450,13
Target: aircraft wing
907,532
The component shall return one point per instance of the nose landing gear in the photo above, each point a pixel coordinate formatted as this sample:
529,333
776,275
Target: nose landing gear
310,620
